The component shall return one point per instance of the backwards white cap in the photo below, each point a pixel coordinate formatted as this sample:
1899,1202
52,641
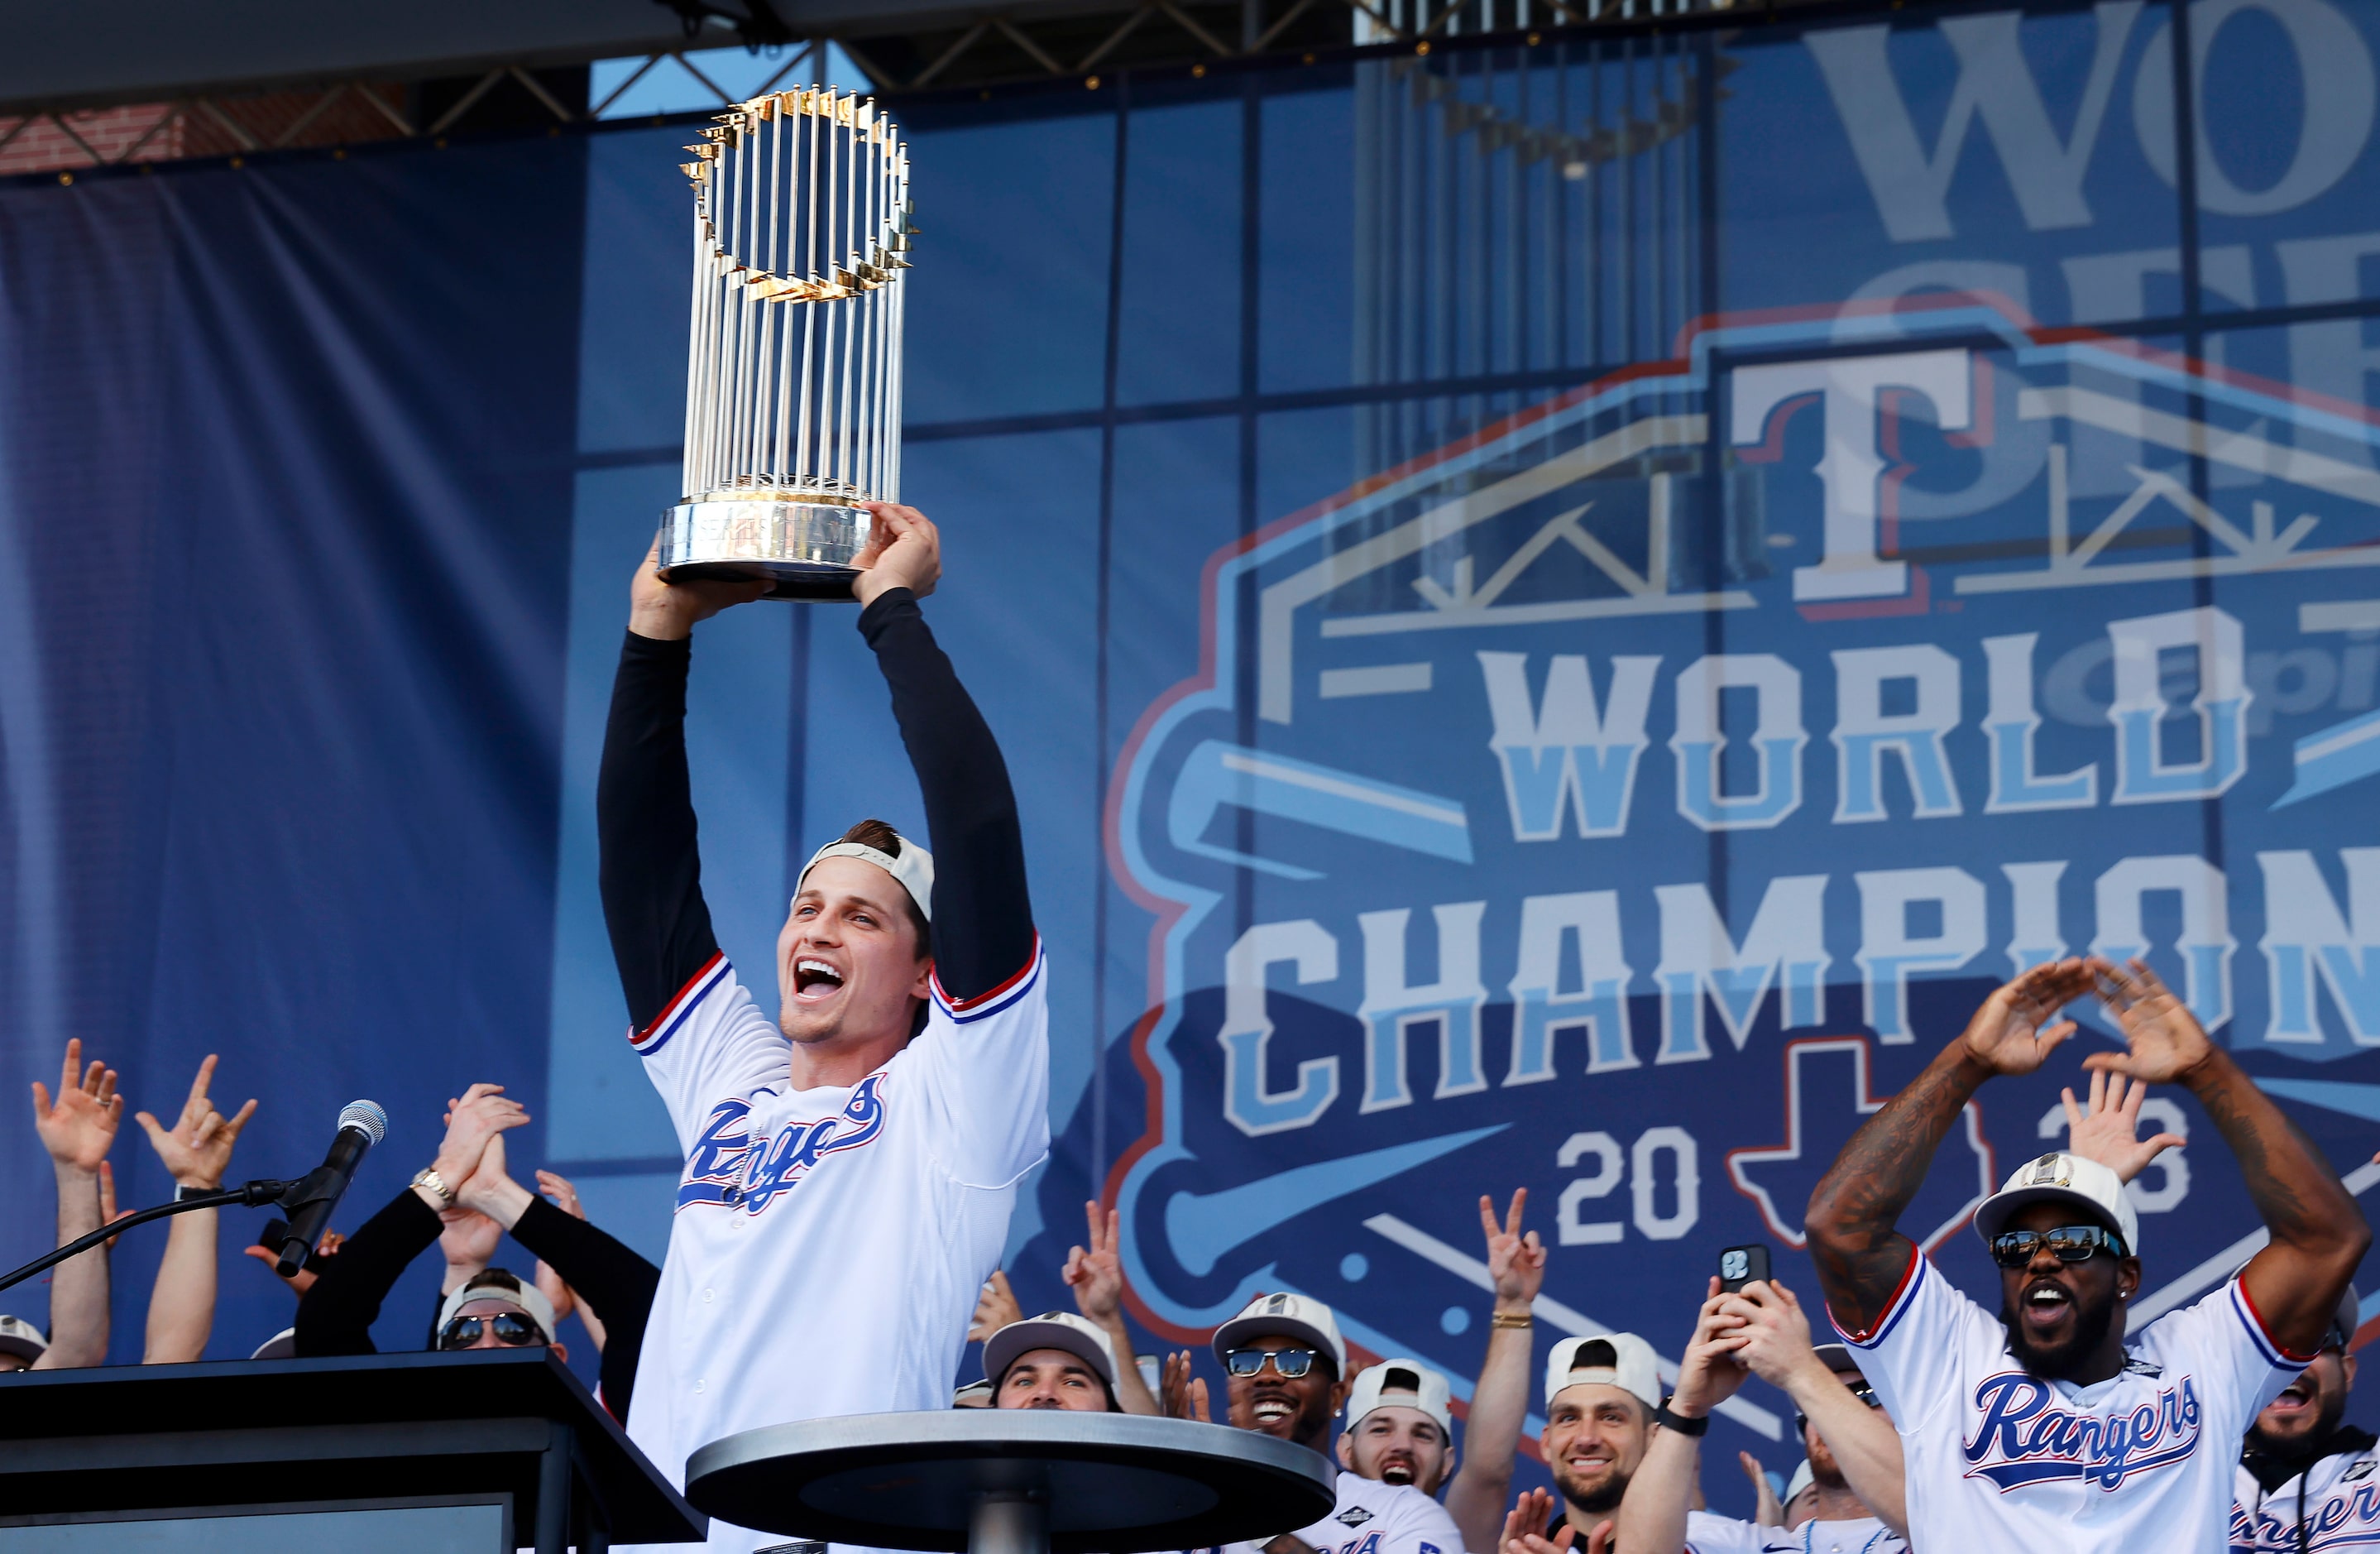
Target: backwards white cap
1801,1480
1401,1383
528,1300
1620,1360
913,868
2063,1178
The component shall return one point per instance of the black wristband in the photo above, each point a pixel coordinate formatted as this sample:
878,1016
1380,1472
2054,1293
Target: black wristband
1679,1423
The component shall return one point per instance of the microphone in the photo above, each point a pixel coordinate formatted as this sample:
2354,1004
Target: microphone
310,1202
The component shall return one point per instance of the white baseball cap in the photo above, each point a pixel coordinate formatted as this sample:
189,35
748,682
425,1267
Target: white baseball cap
913,868
1800,1481
1620,1360
1401,1383
1053,1329
2058,1177
22,1339
528,1300
282,1345
1287,1315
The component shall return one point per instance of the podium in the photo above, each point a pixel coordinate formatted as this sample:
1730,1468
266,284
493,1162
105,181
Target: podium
491,1451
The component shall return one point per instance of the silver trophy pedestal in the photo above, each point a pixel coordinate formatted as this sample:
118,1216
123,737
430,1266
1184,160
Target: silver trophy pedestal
805,548
1012,1481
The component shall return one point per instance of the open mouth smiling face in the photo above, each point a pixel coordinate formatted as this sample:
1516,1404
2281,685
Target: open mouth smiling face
849,960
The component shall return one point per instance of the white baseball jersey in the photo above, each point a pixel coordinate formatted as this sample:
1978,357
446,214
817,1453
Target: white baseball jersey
1375,1518
2338,1501
828,1243
2000,1459
1706,1533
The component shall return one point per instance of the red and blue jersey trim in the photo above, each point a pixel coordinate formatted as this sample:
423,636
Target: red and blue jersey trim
985,1005
1903,1296
2267,1345
666,1024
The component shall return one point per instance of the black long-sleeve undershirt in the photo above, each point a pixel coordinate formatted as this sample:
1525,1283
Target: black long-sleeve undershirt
651,873
618,1285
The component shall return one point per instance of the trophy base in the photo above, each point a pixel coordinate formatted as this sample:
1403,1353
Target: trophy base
805,549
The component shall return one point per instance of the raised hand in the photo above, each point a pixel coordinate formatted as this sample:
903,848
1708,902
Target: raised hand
668,612
2163,1038
1773,1332
1096,1273
904,551
1768,1510
2017,1026
80,1126
1711,1368
196,1149
2108,1133
1516,1262
1525,1524
564,1196
1181,1394
482,1113
995,1307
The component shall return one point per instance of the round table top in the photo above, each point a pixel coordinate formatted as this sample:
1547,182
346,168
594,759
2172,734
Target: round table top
1113,1483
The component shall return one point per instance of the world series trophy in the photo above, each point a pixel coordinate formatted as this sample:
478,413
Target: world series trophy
793,380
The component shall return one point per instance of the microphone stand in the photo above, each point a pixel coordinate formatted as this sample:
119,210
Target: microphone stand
249,1194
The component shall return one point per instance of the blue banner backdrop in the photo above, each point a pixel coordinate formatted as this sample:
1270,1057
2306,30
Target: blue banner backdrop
1560,614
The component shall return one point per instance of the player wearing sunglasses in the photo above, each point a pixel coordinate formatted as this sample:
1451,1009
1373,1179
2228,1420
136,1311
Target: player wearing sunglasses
2044,1427
496,1310
1285,1375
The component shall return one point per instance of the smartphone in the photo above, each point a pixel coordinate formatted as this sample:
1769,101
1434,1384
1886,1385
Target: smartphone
1739,1266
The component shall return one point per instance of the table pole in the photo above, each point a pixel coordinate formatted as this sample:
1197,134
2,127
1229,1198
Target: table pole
1009,1521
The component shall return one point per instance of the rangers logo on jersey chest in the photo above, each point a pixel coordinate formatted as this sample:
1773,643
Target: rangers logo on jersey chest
2021,1439
730,1167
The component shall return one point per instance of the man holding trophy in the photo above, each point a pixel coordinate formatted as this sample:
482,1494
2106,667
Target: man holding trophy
851,1166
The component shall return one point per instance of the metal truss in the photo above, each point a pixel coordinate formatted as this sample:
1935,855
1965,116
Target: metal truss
1020,43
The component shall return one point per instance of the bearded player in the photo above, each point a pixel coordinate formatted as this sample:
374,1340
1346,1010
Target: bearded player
2042,1427
849,1166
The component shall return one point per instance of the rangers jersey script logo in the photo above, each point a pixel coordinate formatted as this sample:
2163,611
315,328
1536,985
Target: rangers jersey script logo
728,1165
2024,1439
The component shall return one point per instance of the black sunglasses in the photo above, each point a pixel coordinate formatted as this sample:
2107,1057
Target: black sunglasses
2074,1244
513,1331
1289,1364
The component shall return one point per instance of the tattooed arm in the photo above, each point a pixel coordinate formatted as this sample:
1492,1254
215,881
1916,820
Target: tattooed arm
2318,1234
1861,1257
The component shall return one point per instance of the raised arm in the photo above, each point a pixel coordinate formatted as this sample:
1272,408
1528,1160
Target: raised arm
196,1151
335,1314
1653,1514
983,914
1776,1345
1499,1403
649,873
2318,1234
610,1277
1096,1275
76,1130
1861,1257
